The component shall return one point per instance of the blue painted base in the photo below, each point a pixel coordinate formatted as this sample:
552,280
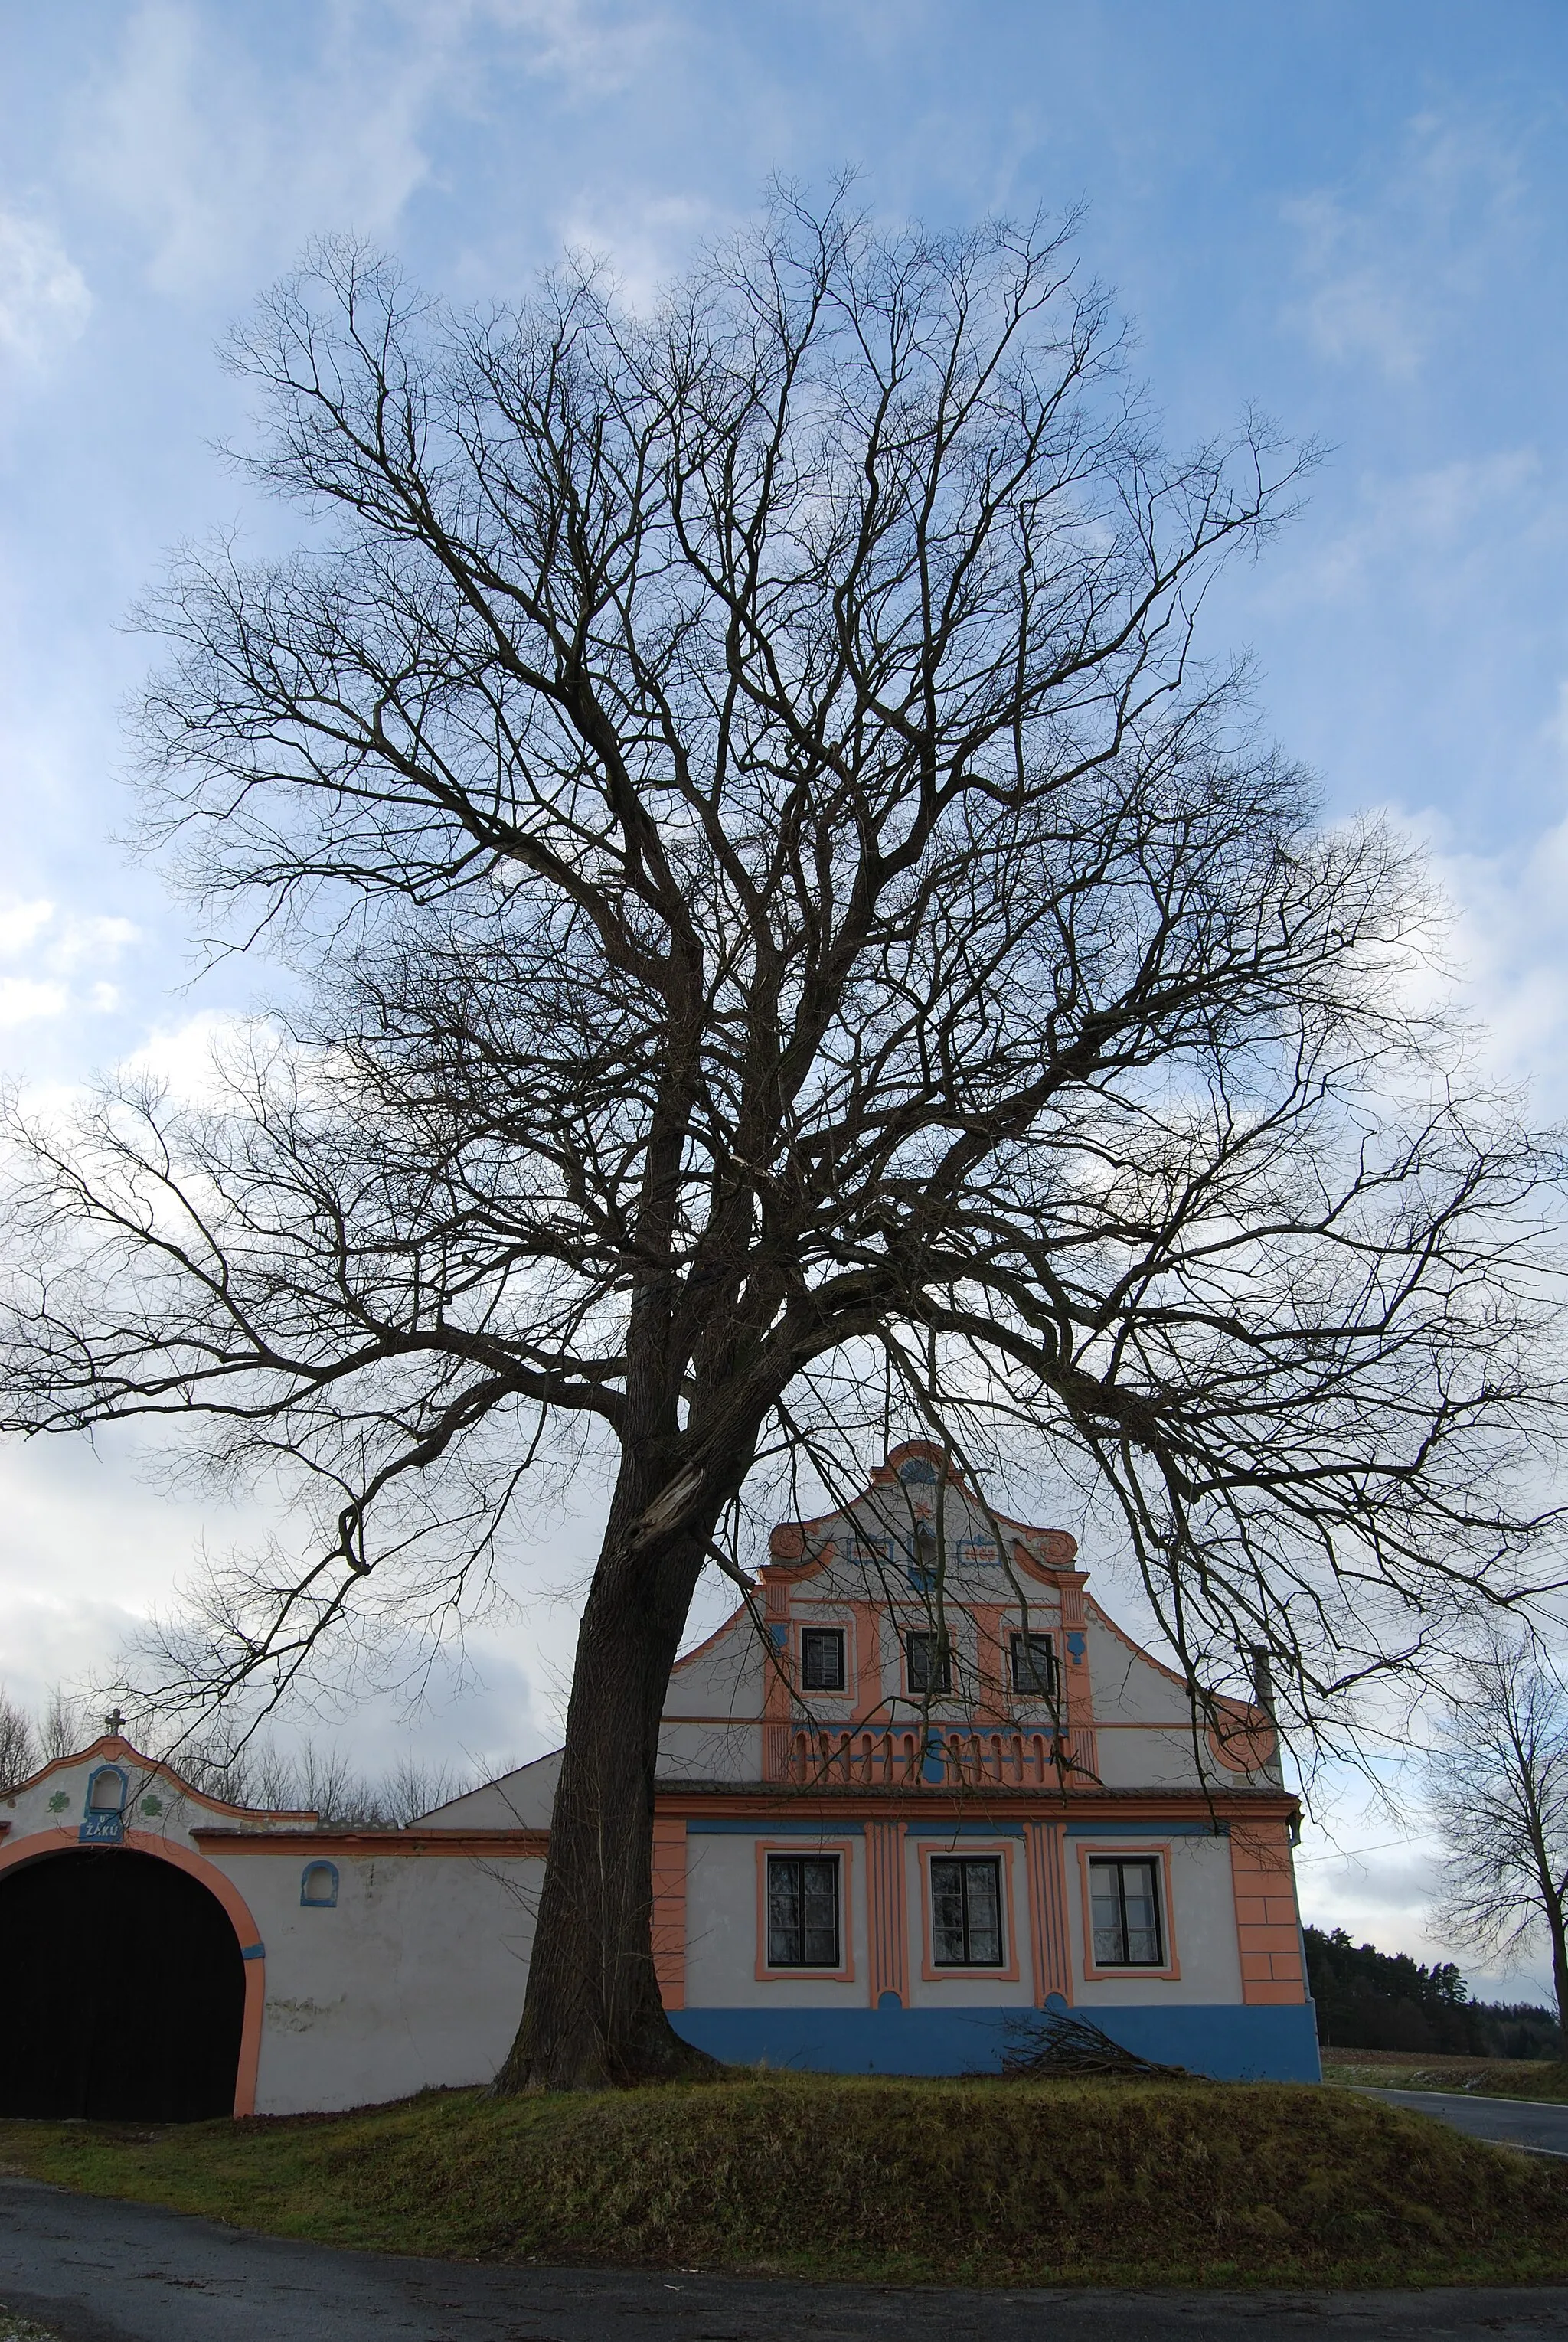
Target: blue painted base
1233,2043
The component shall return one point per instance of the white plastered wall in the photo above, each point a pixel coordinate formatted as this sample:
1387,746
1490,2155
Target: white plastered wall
722,1925
1201,1922
413,1980
968,1988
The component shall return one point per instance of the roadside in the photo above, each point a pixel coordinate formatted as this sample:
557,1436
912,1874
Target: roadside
1537,2124
826,2179
96,2271
1494,2077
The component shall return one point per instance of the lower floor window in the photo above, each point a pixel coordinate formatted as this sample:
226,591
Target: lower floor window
803,1911
1126,1915
966,1913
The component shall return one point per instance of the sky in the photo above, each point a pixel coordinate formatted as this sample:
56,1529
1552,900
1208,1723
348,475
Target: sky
1349,217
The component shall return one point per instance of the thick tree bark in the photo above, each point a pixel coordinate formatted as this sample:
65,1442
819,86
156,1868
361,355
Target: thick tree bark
1560,1968
1553,1896
592,2016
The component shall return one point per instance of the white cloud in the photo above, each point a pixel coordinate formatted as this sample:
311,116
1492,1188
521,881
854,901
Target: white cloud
1436,538
225,165
1512,950
44,297
60,948
592,48
65,941
218,165
24,1001
189,1058
21,924
644,240
1387,268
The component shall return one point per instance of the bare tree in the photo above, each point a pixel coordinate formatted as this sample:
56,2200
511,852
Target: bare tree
18,1744
788,943
66,1726
1499,1791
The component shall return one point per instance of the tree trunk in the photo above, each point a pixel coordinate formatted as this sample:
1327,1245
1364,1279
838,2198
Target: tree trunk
1559,1962
593,2015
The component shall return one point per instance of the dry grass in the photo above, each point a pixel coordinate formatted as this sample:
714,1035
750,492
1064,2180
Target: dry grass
1001,2182
1488,2077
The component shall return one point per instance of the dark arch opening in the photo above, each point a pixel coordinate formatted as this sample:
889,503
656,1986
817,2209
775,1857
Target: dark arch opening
123,1989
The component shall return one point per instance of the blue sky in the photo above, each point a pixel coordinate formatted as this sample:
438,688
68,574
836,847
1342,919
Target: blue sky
1352,217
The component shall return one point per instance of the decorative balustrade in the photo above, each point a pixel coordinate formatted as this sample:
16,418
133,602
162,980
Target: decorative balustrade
934,1756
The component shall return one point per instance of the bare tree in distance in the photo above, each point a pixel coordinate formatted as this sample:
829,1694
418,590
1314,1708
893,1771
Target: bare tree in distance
320,1780
66,1726
19,1753
791,947
1499,1793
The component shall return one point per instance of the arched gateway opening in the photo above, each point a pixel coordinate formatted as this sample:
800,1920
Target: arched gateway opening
122,1986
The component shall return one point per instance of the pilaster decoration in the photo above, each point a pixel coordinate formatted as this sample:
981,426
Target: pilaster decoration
669,1924
992,1700
1078,1695
1268,1926
1050,1937
886,1912
775,1682
868,1692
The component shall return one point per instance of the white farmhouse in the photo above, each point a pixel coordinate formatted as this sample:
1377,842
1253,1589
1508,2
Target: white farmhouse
916,1793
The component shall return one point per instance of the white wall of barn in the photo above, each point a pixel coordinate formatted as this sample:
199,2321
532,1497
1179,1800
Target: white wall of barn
412,1980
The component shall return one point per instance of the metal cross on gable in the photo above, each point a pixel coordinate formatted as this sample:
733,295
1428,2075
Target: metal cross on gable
114,1722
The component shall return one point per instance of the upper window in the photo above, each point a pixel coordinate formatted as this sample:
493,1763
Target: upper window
821,1658
1034,1665
803,1911
928,1658
106,1791
1125,1898
966,1913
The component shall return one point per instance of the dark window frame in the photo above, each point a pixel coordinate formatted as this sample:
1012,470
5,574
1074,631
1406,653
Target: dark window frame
816,1637
1019,1647
926,1636
797,1959
1120,1864
965,1865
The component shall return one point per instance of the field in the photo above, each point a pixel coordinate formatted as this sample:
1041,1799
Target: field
1006,2183
1491,2078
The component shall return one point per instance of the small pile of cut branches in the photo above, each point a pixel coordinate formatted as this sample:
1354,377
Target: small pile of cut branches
1047,2044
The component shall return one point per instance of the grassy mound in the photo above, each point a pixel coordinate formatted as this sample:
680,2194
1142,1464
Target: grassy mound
1490,2077
973,2182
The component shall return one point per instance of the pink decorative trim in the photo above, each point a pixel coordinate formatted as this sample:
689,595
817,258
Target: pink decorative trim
1268,1924
60,1841
887,1911
868,1693
669,1915
110,1747
1050,1933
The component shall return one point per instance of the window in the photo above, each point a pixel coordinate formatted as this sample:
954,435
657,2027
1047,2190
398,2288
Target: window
106,1792
318,1886
928,1658
966,1913
1034,1665
821,1658
1125,1913
802,1910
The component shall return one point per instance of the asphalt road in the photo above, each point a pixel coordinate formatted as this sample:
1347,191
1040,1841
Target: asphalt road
1506,2122
99,2271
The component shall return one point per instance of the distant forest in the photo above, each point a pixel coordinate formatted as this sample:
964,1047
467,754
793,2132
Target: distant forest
1368,1999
